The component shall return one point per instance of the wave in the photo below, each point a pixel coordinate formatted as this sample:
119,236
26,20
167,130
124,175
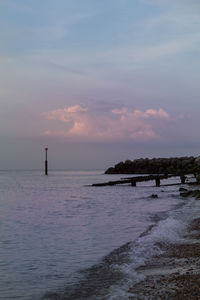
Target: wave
118,271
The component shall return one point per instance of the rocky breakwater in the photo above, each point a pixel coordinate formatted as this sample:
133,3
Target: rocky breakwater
172,165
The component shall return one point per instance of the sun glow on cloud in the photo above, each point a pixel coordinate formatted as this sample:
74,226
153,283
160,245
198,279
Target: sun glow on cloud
117,125
65,115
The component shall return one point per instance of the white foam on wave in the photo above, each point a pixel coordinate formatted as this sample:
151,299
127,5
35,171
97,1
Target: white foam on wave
168,231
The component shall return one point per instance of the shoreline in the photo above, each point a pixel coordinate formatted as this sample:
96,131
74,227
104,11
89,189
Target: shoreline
175,274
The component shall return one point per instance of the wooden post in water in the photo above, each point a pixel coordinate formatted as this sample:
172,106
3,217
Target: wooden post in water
183,178
133,183
46,162
157,181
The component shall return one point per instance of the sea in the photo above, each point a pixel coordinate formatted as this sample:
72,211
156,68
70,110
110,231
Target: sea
61,238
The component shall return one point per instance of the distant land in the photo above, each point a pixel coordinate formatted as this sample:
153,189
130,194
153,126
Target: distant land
172,165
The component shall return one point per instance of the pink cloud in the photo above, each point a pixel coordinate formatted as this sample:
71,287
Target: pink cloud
119,124
65,114
138,113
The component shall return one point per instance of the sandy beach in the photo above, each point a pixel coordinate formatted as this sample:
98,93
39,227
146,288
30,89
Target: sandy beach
176,273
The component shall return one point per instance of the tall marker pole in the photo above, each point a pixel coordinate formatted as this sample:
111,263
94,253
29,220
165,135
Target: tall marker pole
46,162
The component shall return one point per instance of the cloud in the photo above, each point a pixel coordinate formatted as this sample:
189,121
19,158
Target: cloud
139,114
176,15
116,125
65,115
57,29
173,2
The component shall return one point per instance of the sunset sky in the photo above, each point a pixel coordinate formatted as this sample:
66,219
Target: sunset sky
98,81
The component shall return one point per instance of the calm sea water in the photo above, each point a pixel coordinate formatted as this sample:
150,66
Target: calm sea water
62,239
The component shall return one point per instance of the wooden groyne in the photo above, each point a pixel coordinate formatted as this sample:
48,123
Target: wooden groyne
133,180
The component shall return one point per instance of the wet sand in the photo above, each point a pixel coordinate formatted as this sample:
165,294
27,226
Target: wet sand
175,274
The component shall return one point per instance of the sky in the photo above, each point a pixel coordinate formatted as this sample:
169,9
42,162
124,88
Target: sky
98,81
